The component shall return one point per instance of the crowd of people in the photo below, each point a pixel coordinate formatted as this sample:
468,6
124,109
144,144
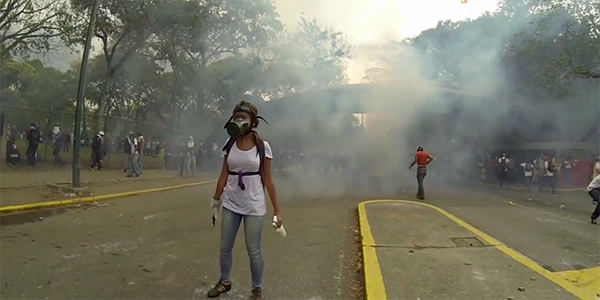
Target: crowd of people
544,170
184,155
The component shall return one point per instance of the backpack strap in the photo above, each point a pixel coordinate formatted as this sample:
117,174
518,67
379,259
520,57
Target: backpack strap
261,156
260,148
229,145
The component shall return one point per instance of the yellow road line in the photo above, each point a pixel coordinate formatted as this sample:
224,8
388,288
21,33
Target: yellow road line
586,279
374,284
68,202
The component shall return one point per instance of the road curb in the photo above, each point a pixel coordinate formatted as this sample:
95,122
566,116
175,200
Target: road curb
69,202
374,283
578,189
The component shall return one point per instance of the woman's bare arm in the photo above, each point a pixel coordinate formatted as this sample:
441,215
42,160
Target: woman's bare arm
270,185
222,180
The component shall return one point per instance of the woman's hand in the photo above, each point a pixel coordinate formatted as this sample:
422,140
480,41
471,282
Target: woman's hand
277,215
215,206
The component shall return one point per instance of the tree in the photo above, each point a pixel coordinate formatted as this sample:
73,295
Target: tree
15,75
28,26
123,28
209,31
562,42
321,53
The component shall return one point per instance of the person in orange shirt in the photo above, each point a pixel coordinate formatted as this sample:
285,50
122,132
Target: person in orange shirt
422,159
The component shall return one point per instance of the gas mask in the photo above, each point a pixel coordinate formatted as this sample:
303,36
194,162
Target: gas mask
241,126
237,127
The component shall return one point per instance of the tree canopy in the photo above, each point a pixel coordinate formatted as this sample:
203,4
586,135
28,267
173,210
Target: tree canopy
182,64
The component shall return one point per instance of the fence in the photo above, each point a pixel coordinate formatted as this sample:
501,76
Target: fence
18,120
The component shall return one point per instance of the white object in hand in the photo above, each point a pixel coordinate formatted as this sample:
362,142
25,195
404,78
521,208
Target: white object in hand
281,229
215,206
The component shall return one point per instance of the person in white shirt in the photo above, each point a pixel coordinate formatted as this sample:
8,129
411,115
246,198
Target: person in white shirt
503,170
244,182
596,169
133,168
528,172
594,190
568,166
548,174
538,172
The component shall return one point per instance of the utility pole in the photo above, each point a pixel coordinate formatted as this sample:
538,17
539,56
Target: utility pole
76,180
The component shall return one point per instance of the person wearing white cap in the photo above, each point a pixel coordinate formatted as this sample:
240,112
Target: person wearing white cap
97,154
58,144
189,162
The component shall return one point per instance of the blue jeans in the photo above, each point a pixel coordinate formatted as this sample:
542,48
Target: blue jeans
253,234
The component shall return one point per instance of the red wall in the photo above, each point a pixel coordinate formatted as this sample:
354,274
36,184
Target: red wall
581,173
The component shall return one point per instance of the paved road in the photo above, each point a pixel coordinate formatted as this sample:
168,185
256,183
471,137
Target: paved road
558,239
161,245
436,258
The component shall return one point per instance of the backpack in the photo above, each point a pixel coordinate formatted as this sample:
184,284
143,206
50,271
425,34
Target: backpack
126,146
550,167
503,166
260,148
97,143
34,137
528,167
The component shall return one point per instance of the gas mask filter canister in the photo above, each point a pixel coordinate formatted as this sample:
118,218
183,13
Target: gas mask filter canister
237,127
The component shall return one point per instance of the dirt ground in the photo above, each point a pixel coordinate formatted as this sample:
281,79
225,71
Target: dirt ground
161,245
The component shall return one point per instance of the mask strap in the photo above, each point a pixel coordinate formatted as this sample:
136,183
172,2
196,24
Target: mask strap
259,117
230,118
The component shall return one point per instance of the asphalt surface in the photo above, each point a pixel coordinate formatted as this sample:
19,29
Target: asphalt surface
435,258
162,245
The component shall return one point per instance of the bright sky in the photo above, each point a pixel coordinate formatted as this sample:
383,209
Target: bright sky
372,22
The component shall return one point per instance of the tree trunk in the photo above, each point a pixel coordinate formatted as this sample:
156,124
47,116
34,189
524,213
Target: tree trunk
100,115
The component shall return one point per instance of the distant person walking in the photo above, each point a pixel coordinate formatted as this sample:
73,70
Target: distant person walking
548,174
57,146
503,170
528,172
140,147
33,138
422,159
594,190
133,169
97,153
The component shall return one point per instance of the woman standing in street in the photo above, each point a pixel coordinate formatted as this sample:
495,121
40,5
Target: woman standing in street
245,175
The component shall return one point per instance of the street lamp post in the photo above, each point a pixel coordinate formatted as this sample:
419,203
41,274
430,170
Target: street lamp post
76,180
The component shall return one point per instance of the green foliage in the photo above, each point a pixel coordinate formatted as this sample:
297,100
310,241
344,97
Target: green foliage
30,26
171,63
